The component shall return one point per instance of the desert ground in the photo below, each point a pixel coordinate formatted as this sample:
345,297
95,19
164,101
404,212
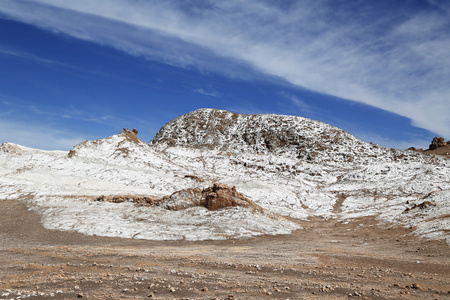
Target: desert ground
328,259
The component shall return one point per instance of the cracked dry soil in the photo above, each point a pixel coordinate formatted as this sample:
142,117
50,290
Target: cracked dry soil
326,260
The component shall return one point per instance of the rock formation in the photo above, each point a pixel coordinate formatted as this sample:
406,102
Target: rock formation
140,200
437,142
439,147
216,197
422,205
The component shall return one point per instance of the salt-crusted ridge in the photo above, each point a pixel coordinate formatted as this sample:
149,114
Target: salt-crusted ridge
287,165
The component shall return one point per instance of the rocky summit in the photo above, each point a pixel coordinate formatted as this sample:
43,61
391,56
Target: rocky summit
288,136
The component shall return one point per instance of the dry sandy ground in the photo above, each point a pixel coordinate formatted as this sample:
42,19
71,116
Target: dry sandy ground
326,260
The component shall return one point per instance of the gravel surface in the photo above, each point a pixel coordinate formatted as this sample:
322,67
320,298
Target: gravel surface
328,259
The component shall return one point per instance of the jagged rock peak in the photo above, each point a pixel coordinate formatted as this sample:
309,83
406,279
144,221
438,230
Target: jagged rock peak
263,134
131,135
439,147
437,142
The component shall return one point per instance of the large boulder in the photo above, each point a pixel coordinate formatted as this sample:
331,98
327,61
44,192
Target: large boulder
215,197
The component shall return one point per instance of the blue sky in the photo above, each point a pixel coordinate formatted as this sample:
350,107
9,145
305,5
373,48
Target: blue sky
77,70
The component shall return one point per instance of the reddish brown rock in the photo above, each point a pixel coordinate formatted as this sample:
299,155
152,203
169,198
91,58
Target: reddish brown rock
436,143
72,153
131,135
439,147
140,200
221,196
216,197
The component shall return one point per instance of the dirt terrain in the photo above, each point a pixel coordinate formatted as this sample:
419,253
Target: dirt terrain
326,260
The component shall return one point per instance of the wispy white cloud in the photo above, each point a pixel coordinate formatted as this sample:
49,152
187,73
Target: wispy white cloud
395,60
207,92
27,56
65,113
300,104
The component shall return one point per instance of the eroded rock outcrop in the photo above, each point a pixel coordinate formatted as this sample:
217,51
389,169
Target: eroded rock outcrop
437,142
140,200
439,147
131,134
422,205
216,197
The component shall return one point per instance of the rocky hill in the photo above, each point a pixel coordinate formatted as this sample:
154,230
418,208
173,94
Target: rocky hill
281,135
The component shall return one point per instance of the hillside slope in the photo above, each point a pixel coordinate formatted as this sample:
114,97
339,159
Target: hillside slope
293,168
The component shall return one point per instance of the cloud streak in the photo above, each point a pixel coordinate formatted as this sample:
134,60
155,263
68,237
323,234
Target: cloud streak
36,59
207,92
392,58
65,113
300,104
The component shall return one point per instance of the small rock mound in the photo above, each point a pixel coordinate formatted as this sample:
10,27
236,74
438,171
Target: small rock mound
414,149
216,197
